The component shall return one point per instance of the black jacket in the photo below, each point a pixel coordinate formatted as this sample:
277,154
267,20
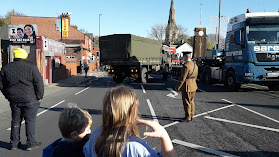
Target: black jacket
21,82
61,148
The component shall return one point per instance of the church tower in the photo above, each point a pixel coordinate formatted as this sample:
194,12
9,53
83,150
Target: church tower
171,30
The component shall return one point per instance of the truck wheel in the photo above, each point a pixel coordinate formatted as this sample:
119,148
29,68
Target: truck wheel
202,75
230,81
144,75
165,76
207,77
273,87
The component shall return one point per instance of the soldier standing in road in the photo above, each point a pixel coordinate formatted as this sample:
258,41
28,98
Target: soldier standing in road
188,85
22,84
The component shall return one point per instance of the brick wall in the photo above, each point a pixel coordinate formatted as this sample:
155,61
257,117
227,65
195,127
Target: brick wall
60,72
92,66
46,27
71,66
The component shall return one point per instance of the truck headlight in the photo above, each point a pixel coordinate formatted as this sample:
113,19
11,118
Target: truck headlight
249,74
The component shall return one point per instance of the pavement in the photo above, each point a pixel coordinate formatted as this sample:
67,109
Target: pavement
76,80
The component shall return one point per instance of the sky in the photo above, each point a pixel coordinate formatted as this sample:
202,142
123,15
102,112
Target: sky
138,16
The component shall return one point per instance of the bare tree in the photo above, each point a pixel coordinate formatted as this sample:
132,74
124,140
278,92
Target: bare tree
212,38
5,21
96,40
182,34
158,32
83,30
13,12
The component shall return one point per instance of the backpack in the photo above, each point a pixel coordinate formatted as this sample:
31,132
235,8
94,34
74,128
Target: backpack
86,66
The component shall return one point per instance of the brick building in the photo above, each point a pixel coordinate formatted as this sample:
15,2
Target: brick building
78,45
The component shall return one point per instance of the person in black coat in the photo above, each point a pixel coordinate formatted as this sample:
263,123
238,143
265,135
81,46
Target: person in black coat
22,84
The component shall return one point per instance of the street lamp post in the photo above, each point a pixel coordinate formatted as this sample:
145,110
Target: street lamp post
218,45
99,40
99,25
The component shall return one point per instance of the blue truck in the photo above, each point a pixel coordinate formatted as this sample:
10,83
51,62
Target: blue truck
251,53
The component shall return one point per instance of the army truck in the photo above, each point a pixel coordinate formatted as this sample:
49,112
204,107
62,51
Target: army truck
128,55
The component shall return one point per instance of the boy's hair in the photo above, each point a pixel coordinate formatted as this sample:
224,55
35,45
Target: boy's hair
73,119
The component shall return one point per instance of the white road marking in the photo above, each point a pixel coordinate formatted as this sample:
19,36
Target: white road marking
244,124
254,86
171,124
221,108
201,90
259,114
202,148
172,95
227,101
43,111
82,90
253,111
152,111
143,90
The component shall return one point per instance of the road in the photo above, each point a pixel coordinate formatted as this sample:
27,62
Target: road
243,123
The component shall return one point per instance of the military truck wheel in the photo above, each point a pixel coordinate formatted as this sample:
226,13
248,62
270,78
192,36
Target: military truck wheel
201,75
165,76
207,77
273,87
144,75
230,81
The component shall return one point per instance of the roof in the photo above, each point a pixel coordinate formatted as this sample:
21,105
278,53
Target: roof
243,17
184,47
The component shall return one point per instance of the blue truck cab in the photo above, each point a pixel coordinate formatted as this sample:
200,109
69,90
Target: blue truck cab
252,50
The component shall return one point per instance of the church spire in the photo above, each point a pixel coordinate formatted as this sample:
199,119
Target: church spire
171,30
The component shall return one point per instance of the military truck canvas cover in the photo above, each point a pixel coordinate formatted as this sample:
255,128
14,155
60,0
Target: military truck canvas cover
128,48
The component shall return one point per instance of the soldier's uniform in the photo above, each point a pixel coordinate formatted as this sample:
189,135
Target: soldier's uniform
188,85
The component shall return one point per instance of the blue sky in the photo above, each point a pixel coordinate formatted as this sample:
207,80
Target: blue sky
137,16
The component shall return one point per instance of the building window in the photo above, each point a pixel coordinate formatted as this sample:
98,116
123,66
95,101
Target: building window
70,57
98,54
57,62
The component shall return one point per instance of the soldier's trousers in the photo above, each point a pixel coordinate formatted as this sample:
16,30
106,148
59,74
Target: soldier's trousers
188,103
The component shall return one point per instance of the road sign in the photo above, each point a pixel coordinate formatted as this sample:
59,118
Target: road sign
65,34
65,23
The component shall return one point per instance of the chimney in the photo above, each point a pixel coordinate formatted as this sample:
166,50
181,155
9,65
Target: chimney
65,16
75,26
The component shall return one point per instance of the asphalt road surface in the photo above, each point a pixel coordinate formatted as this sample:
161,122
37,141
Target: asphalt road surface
243,123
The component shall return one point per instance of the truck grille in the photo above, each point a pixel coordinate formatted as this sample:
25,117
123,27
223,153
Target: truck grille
267,57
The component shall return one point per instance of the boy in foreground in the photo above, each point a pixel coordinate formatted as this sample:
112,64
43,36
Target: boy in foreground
74,124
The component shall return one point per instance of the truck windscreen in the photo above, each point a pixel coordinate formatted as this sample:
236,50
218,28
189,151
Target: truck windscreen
263,34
